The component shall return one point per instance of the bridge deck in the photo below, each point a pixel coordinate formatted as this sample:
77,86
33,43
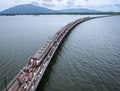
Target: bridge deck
46,54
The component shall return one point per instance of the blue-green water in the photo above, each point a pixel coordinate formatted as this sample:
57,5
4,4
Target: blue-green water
88,60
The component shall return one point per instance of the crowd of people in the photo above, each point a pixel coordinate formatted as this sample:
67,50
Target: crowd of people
29,71
27,74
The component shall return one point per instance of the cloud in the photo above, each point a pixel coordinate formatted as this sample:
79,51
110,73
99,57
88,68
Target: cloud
35,3
48,0
59,0
60,4
117,5
47,5
70,4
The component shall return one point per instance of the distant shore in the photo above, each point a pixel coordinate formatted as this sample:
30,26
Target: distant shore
101,13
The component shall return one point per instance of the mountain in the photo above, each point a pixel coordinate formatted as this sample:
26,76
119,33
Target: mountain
79,10
27,9
32,9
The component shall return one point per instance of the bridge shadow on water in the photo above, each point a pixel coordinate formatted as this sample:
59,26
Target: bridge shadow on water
47,74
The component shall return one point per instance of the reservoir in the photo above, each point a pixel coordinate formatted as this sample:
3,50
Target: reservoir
88,59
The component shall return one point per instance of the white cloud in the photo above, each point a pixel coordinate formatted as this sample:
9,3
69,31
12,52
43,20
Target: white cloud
60,4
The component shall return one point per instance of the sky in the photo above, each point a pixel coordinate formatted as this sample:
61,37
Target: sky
104,5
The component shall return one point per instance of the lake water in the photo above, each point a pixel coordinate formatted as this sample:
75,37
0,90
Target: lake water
88,59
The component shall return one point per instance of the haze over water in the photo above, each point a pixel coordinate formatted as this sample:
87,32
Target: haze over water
88,60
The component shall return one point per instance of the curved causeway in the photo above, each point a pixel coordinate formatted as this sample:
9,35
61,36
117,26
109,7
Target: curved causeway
30,76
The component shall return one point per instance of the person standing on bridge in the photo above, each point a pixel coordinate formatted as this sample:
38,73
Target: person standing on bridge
26,77
19,81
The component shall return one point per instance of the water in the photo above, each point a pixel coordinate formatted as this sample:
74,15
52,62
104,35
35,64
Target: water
22,36
88,60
